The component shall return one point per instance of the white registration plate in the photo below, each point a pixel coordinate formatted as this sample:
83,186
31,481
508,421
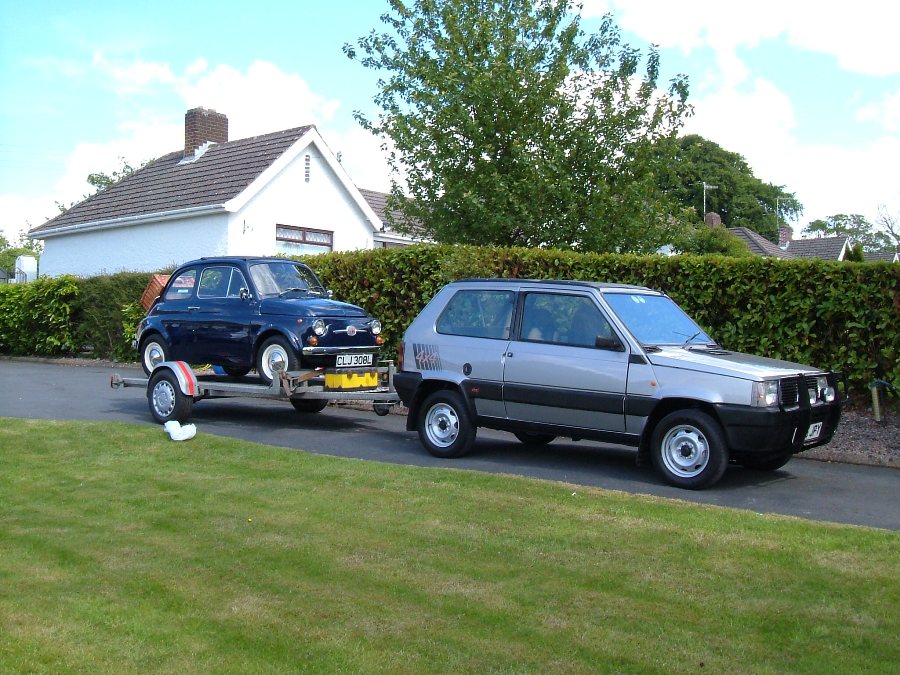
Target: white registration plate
813,432
353,360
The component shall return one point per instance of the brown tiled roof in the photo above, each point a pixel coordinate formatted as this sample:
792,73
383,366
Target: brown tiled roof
758,244
378,202
826,248
165,184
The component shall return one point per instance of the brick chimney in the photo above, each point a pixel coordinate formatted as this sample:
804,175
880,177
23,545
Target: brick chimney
785,235
202,126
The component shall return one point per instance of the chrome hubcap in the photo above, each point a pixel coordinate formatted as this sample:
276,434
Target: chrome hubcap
274,359
163,398
153,355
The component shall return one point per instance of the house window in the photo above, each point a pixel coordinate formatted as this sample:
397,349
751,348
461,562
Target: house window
302,240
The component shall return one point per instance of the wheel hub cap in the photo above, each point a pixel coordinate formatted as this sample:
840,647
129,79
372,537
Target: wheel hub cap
685,451
442,425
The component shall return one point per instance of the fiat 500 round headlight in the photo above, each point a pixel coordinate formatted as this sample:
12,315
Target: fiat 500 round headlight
319,327
376,327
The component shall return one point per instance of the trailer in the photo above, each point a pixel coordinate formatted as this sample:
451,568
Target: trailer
174,387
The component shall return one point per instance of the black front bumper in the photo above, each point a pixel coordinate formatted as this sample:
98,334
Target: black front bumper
768,430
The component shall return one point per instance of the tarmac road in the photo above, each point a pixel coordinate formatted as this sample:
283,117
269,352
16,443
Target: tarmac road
842,493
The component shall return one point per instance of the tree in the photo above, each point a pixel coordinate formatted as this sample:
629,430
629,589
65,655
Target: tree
739,197
509,125
889,225
856,228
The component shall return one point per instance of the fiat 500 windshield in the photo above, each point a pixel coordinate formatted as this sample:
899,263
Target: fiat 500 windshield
656,320
282,279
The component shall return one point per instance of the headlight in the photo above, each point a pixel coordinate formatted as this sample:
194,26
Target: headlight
319,327
765,394
376,327
826,392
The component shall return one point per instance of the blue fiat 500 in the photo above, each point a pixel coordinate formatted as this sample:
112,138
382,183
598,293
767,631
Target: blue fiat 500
265,313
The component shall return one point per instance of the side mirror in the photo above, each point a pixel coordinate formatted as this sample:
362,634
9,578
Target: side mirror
329,293
245,294
609,343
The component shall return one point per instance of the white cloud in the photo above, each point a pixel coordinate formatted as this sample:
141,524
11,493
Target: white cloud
861,36
21,214
886,113
261,100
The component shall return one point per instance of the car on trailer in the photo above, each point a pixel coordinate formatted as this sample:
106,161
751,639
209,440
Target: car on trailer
245,313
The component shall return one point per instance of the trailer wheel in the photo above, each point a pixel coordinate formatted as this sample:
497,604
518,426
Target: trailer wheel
274,355
309,405
166,400
382,409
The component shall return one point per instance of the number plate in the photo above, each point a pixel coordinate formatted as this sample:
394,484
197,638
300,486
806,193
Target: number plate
353,360
813,432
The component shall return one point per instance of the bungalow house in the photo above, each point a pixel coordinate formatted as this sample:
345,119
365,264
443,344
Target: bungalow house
282,192
825,248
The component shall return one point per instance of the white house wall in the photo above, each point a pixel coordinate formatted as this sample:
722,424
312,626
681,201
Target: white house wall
288,199
135,248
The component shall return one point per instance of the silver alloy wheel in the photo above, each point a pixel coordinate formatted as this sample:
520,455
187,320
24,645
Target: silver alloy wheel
442,425
154,354
163,398
685,451
274,359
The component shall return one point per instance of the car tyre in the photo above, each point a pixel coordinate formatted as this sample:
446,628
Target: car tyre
309,405
688,449
530,438
153,352
233,371
274,355
444,426
166,400
771,462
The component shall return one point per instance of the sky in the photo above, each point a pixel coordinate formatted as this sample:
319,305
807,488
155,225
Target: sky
807,91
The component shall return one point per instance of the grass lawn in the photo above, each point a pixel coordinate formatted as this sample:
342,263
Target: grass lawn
122,551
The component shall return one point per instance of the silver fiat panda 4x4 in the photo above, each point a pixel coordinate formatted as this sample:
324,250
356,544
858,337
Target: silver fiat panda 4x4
608,362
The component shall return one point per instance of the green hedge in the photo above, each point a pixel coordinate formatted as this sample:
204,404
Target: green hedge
843,316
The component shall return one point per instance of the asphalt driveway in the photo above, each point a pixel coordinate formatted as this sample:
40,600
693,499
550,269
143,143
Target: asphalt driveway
843,493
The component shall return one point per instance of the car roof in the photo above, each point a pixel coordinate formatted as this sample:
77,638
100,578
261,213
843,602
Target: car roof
238,258
562,283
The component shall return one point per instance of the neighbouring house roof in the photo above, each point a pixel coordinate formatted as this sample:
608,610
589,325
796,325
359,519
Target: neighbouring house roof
167,184
826,248
378,202
888,256
758,244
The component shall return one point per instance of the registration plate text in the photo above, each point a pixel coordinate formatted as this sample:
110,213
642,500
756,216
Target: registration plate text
813,432
353,360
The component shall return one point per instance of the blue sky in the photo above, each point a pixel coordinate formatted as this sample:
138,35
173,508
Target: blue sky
808,92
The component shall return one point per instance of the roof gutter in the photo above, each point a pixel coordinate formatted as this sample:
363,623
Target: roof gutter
128,221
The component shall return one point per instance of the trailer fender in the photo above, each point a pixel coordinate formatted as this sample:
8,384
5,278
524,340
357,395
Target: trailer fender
187,381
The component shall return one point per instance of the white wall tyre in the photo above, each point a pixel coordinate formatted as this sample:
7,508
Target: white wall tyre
153,352
274,355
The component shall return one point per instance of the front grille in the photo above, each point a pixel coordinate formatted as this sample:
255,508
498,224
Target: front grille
790,392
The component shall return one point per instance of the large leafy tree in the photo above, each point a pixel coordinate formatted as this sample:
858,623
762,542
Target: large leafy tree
857,228
507,124
739,197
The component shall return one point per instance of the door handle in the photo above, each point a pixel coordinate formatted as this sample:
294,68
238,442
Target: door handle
508,354
193,309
